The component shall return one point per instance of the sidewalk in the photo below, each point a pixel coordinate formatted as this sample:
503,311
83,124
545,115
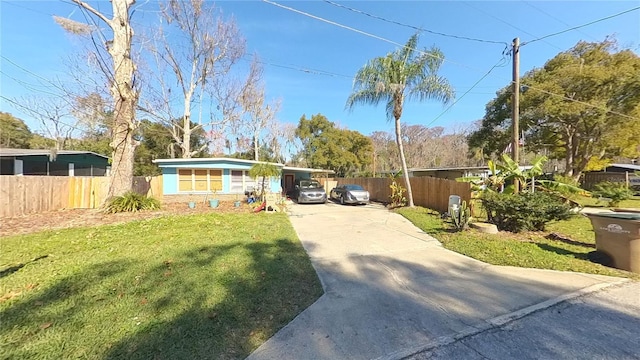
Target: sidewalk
392,291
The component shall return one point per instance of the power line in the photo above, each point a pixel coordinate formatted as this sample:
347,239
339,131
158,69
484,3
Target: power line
508,23
556,18
27,85
40,114
580,102
401,45
28,71
500,63
365,33
414,27
300,68
581,26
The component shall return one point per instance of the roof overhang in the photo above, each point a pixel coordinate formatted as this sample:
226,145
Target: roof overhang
309,170
210,160
45,152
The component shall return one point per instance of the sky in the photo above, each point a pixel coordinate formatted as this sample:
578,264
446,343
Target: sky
310,60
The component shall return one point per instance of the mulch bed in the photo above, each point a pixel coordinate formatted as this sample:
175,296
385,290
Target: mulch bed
68,218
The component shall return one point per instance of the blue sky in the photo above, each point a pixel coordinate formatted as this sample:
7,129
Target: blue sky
309,63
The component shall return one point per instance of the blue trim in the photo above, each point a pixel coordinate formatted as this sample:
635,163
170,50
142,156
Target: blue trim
169,181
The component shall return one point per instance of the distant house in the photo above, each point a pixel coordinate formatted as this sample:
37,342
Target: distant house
52,163
224,175
622,168
452,173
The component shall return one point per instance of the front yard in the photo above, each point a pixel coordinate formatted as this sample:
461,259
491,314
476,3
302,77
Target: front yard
208,285
564,246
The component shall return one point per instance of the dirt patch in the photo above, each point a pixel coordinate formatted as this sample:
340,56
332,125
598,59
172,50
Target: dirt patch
62,219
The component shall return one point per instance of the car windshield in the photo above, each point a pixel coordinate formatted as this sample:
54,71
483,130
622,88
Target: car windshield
353,187
309,184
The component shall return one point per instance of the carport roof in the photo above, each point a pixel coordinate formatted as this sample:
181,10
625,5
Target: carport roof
301,169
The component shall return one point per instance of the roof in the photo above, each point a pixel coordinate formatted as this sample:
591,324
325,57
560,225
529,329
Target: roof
464,168
245,161
453,168
292,168
216,159
45,152
626,166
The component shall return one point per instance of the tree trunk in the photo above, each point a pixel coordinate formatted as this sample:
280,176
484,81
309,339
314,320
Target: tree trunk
405,171
186,126
568,159
255,147
125,98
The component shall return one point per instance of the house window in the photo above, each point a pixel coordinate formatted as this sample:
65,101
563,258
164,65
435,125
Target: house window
241,182
201,180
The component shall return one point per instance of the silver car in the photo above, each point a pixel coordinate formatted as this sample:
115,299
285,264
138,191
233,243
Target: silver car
350,194
309,191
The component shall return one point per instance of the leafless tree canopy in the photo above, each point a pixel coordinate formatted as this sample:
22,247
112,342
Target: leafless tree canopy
198,48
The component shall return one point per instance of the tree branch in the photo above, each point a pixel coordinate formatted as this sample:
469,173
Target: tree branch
93,11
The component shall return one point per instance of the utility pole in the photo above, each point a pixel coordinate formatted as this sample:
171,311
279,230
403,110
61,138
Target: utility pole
515,108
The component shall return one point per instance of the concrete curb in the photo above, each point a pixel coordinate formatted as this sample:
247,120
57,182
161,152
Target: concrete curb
498,321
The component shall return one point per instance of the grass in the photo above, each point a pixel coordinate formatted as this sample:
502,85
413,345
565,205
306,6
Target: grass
634,202
567,251
200,286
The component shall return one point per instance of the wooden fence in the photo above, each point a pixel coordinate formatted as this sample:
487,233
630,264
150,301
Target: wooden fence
591,179
428,192
20,195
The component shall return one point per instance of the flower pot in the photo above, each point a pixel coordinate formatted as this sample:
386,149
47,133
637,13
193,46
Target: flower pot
236,203
214,203
192,204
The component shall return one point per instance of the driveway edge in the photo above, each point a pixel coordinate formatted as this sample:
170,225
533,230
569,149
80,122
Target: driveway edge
499,321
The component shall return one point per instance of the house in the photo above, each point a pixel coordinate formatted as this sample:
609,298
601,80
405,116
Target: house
452,173
226,176
629,173
622,168
52,162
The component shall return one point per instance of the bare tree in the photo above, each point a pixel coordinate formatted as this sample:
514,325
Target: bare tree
54,115
259,120
198,47
120,74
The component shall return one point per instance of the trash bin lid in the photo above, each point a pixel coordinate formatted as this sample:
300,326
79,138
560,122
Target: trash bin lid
618,215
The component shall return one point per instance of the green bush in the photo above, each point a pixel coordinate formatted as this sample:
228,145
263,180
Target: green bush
397,195
524,211
131,202
614,191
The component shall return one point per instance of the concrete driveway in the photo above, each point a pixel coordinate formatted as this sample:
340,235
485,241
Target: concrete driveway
392,291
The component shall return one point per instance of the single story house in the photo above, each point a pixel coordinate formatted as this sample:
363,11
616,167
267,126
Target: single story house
44,162
225,176
452,173
624,173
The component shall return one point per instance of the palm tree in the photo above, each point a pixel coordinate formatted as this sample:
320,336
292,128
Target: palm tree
405,73
263,170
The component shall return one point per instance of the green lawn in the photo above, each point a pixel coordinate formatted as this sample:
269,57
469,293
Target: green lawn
567,251
202,286
634,202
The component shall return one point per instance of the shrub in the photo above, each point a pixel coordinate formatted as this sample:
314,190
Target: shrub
524,211
614,191
131,202
397,195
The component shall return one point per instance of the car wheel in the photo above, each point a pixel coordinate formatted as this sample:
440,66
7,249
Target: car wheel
341,200
299,200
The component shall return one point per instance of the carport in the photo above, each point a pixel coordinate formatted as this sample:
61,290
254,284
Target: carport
290,174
